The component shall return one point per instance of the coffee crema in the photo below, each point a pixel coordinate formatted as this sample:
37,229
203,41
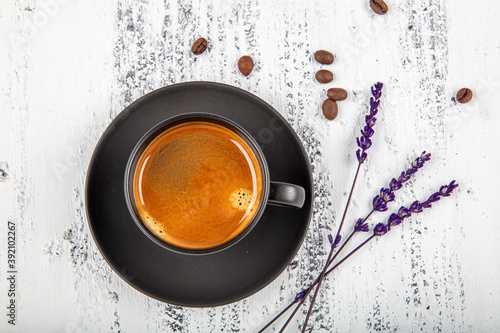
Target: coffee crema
197,185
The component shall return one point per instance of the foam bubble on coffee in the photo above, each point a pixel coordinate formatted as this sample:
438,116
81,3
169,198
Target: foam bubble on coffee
241,199
154,226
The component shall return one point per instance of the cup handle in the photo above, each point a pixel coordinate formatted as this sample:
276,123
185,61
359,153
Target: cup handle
286,195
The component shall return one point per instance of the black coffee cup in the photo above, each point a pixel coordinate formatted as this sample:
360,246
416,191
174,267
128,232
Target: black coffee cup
288,196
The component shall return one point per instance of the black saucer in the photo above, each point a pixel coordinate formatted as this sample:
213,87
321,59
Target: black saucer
187,280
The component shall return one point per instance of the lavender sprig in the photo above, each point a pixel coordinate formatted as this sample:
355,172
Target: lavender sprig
379,204
364,142
387,194
300,298
360,226
417,207
379,230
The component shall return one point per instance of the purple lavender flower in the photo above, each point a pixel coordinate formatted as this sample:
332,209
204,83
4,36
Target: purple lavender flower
379,204
395,185
364,142
417,207
377,90
330,239
299,296
380,229
418,163
370,120
404,177
394,220
403,212
360,226
433,198
367,132
444,191
337,240
387,194
361,155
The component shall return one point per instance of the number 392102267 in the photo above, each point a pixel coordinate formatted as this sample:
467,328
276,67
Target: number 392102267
11,245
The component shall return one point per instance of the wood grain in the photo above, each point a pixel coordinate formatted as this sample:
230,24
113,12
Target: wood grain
69,67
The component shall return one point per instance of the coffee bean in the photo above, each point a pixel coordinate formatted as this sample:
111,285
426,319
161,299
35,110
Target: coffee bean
323,57
324,76
245,64
330,109
379,6
337,94
464,95
199,46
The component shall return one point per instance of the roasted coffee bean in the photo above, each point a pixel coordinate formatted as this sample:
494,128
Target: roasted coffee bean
330,109
323,57
464,95
199,46
324,76
337,94
245,64
379,6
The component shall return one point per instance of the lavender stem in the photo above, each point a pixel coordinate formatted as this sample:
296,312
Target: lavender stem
364,143
277,317
328,263
308,290
341,248
322,276
295,311
350,254
348,202
379,230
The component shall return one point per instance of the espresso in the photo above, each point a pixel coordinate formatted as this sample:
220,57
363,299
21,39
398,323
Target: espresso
197,185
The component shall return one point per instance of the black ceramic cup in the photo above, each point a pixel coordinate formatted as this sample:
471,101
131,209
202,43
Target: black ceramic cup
288,196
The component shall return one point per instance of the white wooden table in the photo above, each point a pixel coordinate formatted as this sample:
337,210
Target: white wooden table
68,67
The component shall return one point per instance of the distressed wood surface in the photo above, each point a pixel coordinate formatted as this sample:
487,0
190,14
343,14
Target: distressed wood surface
68,67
